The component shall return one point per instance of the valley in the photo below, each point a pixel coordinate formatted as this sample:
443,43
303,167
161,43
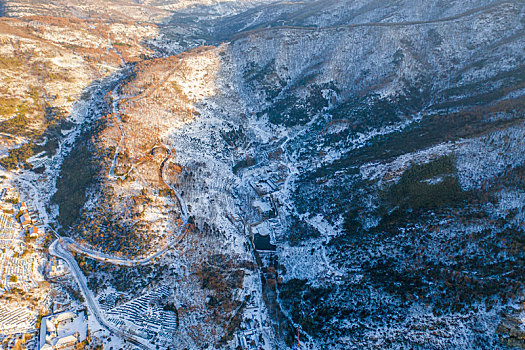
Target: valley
264,175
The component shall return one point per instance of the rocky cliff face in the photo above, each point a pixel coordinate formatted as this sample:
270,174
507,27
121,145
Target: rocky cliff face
395,147
391,142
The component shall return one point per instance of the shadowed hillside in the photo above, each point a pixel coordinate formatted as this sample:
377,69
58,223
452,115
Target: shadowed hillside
311,174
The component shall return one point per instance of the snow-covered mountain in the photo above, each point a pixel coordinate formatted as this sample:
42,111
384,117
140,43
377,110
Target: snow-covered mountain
391,138
312,174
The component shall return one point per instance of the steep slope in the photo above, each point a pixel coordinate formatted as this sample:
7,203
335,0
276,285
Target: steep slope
387,225
322,14
154,11
46,63
330,175
134,209
377,97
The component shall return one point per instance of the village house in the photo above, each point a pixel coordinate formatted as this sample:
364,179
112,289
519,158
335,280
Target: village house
25,220
33,232
23,207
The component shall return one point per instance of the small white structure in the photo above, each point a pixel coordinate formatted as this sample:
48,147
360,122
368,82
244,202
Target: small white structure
23,206
65,342
63,317
62,331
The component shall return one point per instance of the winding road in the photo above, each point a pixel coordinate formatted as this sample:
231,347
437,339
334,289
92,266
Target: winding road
97,255
116,113
56,249
62,247
471,12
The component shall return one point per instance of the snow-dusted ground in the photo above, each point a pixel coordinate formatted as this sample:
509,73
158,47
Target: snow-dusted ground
230,93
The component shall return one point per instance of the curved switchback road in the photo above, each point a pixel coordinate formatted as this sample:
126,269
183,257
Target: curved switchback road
60,247
57,250
97,255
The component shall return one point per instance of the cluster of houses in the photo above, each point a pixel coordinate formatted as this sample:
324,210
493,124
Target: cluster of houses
267,185
248,340
55,268
25,220
265,231
17,269
249,336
